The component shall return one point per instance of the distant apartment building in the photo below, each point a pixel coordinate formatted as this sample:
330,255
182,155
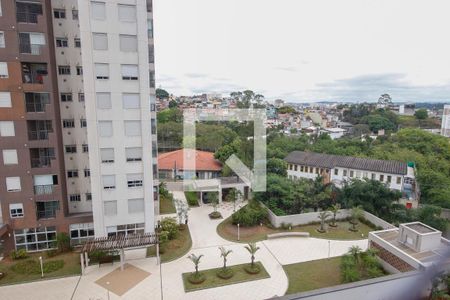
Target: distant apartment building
340,169
445,127
77,120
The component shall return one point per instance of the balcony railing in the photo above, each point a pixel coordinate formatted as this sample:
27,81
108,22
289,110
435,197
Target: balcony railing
35,106
38,135
46,214
40,162
43,189
33,77
27,17
33,49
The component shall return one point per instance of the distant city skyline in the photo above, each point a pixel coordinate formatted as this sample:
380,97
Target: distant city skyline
305,51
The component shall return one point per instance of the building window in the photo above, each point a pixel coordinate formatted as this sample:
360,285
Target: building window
105,128
100,41
152,79
127,13
5,100
130,72
365,174
126,229
85,148
134,180
136,206
399,180
152,107
80,233
336,172
83,123
103,100
88,196
69,123
72,173
87,173
109,182
2,39
102,71
351,173
62,42
75,198
47,209
128,43
10,157
295,168
153,125
133,154
381,177
80,97
373,176
345,173
132,128
107,155
77,42
66,97
59,13
71,148
131,101
4,70
98,10
317,171
74,14
150,28
35,239
110,208
13,184
16,210
79,70
64,70
7,128
389,179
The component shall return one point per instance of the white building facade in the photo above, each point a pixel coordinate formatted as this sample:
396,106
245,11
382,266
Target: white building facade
119,93
445,128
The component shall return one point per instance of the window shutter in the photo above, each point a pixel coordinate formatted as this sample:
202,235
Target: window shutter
136,205
105,128
5,99
130,101
13,184
100,41
37,39
134,153
7,128
103,100
132,128
107,154
98,10
127,13
110,208
10,157
129,70
43,179
102,70
109,180
128,43
4,70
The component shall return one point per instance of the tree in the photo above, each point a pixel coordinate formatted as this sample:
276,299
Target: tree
224,253
277,166
323,216
421,114
356,214
173,104
335,209
385,99
161,94
213,198
233,195
252,248
355,252
196,261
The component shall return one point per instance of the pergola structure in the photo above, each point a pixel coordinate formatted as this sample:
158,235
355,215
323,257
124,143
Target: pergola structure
119,243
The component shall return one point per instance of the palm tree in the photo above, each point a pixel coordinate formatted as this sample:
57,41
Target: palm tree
196,260
224,253
335,209
323,216
355,252
252,248
356,214
213,197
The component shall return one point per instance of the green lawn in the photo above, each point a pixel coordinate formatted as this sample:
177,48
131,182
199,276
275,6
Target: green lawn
166,206
258,233
71,267
175,248
192,199
313,275
213,281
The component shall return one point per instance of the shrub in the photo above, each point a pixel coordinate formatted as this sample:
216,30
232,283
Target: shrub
350,275
171,226
96,255
250,215
63,242
19,254
191,198
252,270
215,215
53,265
196,278
225,273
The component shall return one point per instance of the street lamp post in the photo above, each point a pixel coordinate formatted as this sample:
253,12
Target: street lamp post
329,248
42,267
239,238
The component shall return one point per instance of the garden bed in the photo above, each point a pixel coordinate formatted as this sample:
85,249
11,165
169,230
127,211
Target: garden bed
257,233
61,265
191,198
166,205
175,248
212,280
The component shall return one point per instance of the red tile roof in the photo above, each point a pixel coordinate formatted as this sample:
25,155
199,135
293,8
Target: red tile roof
204,161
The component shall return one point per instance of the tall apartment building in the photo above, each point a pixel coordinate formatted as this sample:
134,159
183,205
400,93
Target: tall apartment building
77,120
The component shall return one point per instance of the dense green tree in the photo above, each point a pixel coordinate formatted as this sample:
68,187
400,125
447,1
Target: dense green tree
161,94
170,115
277,166
421,114
173,104
286,110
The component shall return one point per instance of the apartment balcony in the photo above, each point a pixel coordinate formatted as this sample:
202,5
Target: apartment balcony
44,189
38,135
34,73
33,49
41,162
46,209
28,12
36,102
46,214
39,129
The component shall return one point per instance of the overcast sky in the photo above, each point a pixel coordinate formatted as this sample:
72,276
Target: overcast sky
305,50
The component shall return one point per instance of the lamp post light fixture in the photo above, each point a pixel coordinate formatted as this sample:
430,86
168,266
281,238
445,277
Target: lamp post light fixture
239,238
42,266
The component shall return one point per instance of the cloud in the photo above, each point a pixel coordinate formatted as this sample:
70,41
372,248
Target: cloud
286,69
196,75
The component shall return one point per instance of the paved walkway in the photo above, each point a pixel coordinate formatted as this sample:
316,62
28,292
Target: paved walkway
166,278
